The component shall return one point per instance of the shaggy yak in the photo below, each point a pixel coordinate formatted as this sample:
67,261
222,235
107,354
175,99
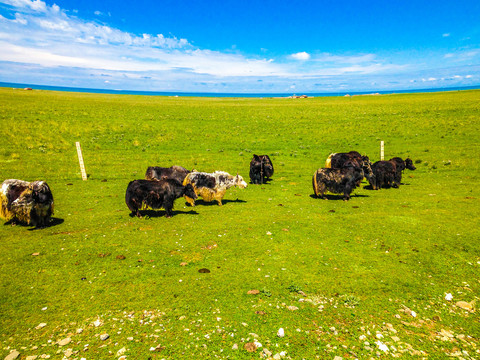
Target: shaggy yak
389,173
213,186
352,158
261,169
337,181
26,202
156,194
385,173
340,160
400,166
174,172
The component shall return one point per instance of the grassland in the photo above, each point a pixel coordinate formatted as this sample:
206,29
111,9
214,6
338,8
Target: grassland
360,279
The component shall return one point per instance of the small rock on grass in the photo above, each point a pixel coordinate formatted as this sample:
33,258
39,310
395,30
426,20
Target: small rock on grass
41,325
13,355
465,305
64,342
104,337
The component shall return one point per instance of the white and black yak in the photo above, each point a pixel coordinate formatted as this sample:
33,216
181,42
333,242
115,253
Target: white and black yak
26,202
213,186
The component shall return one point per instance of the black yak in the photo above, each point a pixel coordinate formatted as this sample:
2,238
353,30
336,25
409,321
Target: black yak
156,194
400,166
261,169
337,181
385,174
174,172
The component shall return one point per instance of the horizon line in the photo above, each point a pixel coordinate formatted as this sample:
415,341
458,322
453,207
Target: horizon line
225,94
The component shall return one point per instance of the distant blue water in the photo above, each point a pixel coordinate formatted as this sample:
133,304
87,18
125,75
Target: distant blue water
205,94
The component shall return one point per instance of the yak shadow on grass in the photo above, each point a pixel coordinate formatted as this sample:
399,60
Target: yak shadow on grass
160,213
53,222
369,187
265,182
336,197
211,203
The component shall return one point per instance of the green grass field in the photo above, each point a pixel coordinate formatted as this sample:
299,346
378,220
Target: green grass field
360,279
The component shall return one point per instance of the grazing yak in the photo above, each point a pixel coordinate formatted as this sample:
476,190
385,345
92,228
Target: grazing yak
337,181
213,186
27,202
352,158
385,174
400,166
340,160
389,173
156,194
174,172
261,169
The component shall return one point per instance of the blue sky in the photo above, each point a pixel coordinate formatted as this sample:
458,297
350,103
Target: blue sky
241,46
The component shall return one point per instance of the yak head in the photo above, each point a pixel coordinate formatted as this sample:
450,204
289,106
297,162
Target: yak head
189,192
240,182
367,171
41,193
409,164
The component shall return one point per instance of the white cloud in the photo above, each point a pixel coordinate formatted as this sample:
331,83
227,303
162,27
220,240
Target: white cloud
463,55
446,35
300,56
344,59
36,5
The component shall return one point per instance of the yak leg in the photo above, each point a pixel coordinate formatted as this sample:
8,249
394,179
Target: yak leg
168,211
321,192
190,201
346,192
219,196
168,206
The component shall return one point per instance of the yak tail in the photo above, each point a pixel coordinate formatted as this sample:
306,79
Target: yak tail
261,172
314,181
4,212
328,162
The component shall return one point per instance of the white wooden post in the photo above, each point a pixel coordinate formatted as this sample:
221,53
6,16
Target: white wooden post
381,150
80,160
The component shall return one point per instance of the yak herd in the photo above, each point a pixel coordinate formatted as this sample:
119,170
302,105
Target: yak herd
31,203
